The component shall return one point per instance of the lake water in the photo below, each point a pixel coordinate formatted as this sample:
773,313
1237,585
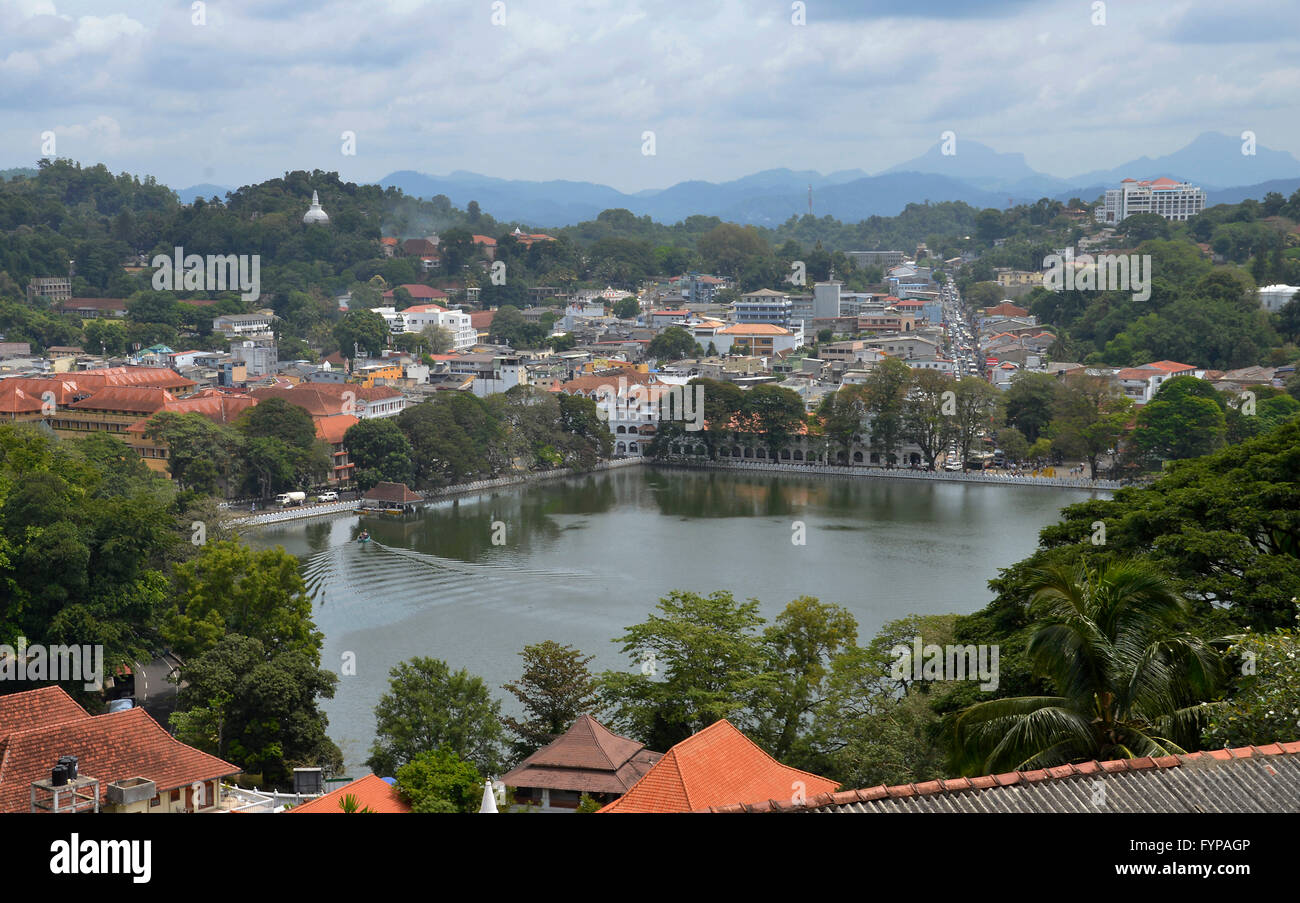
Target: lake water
586,557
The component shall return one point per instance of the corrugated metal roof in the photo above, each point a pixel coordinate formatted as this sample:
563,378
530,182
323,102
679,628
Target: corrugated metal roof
1246,779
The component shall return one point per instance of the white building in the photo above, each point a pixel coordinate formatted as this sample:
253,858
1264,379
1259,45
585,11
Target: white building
1274,297
1165,197
419,317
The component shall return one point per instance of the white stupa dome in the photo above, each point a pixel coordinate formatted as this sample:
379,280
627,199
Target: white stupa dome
315,214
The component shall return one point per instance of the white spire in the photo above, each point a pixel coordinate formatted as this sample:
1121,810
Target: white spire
489,799
315,214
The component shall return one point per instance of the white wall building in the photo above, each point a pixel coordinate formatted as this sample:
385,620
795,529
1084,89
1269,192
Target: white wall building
1274,297
419,317
1165,197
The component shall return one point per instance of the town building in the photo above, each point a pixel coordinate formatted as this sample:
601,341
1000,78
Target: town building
882,259
763,306
57,288
1164,197
233,325
587,758
757,339
125,761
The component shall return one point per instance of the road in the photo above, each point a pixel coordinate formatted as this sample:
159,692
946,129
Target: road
153,691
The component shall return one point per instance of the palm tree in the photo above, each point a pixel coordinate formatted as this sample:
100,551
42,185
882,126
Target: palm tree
1131,682
351,805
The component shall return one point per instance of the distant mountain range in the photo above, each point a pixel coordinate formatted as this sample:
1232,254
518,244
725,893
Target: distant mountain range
976,174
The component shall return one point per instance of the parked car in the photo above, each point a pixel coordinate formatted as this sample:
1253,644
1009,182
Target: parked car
120,705
330,496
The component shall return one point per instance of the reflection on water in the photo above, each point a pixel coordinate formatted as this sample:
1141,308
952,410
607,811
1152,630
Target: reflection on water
586,557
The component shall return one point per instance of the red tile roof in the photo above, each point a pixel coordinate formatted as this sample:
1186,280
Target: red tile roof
372,792
325,399
418,292
332,428
101,304
46,706
719,766
1005,309
398,493
112,747
482,319
1138,373
14,400
126,400
1169,366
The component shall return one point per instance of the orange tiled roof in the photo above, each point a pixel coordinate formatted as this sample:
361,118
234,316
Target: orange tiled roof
1169,366
126,399
418,292
719,766
332,428
372,792
1138,373
219,407
44,726
14,400
325,399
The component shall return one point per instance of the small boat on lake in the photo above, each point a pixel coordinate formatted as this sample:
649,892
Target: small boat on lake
364,536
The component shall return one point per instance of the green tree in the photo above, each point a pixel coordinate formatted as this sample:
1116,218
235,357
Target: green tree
1089,419
776,413
229,588
801,645
698,660
887,387
361,329
879,725
201,455
427,707
1129,681
1185,419
627,308
976,406
924,420
1264,703
438,339
554,689
674,343
440,781
257,709
381,452
1029,403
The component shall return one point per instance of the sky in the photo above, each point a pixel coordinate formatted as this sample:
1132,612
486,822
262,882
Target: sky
233,91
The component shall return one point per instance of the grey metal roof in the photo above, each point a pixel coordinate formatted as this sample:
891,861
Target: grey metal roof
1200,783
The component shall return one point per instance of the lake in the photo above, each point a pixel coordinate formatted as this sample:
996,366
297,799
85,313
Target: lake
583,558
